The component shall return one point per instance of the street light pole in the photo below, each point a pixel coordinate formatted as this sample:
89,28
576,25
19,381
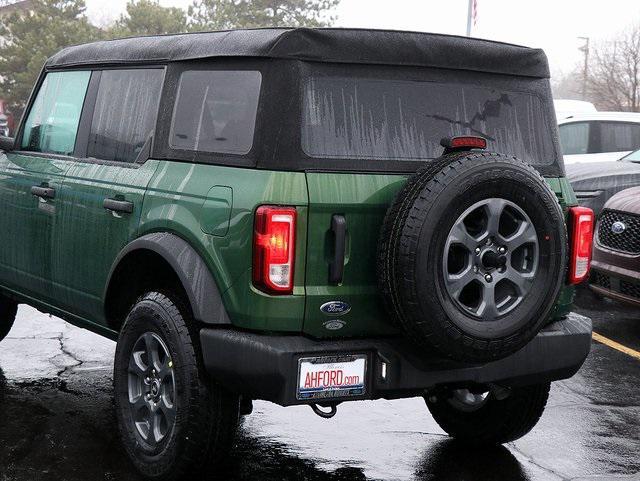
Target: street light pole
585,71
469,15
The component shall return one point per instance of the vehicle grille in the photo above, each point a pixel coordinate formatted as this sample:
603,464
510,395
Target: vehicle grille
600,280
615,284
630,289
627,241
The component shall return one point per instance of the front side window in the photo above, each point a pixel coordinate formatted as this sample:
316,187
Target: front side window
364,118
574,138
52,124
619,136
215,111
125,113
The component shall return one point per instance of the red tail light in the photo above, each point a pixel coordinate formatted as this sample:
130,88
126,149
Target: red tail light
274,241
581,242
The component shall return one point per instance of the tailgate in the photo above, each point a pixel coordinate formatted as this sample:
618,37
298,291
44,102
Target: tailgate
362,200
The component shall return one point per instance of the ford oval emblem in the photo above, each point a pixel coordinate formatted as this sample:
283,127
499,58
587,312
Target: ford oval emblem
335,308
618,227
334,324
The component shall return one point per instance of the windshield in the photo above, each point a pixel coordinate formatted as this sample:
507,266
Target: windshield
364,118
632,157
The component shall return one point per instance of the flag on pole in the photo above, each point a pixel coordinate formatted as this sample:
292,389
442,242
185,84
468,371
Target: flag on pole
472,15
475,12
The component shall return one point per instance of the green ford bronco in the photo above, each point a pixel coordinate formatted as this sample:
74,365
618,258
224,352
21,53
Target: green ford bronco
300,216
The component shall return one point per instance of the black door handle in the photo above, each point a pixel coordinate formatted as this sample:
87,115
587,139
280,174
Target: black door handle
339,229
115,205
43,192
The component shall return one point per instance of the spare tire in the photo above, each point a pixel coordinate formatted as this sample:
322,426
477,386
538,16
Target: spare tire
472,255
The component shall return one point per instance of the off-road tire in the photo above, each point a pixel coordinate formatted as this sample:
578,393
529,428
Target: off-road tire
8,311
206,414
496,421
411,244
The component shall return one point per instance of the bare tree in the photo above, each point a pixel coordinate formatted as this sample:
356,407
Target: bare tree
568,86
614,72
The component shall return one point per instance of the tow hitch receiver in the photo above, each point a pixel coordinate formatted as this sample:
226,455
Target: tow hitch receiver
333,410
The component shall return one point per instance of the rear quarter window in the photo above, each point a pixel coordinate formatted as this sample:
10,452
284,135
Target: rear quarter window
619,136
215,111
373,119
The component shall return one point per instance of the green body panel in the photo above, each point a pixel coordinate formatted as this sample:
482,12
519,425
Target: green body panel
28,223
62,249
60,252
179,200
215,213
567,198
89,237
363,199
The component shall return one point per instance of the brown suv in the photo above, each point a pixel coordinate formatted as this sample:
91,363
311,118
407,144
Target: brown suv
616,252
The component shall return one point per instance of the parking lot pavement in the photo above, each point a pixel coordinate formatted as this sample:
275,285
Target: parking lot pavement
57,420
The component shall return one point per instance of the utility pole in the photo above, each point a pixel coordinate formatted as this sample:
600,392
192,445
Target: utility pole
469,15
585,72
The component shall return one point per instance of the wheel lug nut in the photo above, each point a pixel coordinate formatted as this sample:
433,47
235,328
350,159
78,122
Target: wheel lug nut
502,249
475,269
488,278
477,251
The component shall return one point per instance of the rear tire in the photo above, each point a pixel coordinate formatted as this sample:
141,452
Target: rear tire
198,434
8,311
492,421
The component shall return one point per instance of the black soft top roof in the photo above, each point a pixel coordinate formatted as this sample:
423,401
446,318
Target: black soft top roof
332,45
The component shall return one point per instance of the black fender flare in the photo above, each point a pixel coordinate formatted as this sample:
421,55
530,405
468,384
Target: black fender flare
196,278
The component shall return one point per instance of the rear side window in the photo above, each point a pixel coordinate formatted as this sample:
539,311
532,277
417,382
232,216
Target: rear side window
215,111
574,138
619,136
52,123
125,113
363,118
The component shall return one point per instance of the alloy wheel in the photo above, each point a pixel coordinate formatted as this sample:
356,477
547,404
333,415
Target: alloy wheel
151,389
490,258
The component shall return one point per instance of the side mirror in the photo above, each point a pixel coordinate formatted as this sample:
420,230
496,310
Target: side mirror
6,143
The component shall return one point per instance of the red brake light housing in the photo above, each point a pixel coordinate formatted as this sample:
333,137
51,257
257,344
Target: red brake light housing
274,241
464,142
582,223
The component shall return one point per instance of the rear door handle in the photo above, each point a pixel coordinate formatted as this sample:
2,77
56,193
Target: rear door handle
339,229
115,205
43,192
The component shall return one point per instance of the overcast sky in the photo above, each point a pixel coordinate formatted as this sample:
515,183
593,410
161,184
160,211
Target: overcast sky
553,25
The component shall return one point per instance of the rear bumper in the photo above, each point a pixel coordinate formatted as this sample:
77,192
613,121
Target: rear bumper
266,366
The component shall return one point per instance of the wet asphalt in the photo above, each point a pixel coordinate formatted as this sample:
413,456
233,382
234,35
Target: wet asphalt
57,420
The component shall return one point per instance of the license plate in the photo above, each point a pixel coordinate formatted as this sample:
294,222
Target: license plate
331,376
